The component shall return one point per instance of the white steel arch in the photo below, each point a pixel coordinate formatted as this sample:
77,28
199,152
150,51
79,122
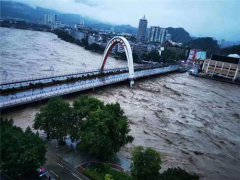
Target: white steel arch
124,42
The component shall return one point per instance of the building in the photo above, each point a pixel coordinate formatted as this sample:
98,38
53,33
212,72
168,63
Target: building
50,19
158,35
227,67
197,54
142,30
163,33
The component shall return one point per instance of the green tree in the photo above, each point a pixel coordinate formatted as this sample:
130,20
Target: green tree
54,119
168,56
21,152
105,131
177,174
153,56
135,58
82,107
95,47
146,164
108,177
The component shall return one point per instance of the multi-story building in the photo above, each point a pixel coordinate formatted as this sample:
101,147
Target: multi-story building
158,35
227,67
142,30
50,19
154,34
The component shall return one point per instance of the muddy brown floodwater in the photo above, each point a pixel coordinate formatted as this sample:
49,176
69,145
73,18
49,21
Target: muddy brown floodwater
194,123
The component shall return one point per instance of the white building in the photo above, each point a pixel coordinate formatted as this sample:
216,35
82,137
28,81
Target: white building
227,67
158,35
50,19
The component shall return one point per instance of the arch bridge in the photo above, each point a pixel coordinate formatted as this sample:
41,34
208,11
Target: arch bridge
128,51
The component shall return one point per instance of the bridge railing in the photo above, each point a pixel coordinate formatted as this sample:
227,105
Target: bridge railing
63,90
83,85
76,73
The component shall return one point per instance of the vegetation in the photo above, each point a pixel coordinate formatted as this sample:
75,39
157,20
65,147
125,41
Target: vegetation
102,129
64,35
21,152
53,119
105,131
82,108
108,177
105,172
146,164
177,174
205,43
231,50
179,35
170,56
151,56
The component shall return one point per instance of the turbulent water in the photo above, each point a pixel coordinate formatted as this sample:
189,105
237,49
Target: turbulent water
194,123
31,53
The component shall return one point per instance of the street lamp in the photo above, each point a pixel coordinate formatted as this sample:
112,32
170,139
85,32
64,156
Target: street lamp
83,66
52,70
5,75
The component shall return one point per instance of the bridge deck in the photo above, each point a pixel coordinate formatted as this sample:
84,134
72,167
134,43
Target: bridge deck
39,94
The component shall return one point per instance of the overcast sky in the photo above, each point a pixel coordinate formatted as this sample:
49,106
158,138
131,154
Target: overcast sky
214,18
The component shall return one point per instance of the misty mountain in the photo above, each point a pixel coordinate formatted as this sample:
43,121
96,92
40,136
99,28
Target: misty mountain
18,10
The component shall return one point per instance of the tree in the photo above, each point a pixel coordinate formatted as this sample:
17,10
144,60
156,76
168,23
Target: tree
177,174
105,131
95,47
64,35
153,56
54,119
146,164
82,108
108,177
168,56
21,152
135,58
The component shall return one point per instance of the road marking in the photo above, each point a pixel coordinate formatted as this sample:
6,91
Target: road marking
60,165
75,175
54,173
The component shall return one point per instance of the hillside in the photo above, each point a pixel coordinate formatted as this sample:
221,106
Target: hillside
179,35
18,10
205,43
231,50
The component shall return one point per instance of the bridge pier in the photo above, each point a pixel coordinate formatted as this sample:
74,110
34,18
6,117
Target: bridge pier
131,82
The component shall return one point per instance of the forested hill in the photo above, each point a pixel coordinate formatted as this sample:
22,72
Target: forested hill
205,43
231,50
179,35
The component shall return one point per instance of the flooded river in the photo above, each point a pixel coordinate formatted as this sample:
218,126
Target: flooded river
194,123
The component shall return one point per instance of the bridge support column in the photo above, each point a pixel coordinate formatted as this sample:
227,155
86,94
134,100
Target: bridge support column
131,82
